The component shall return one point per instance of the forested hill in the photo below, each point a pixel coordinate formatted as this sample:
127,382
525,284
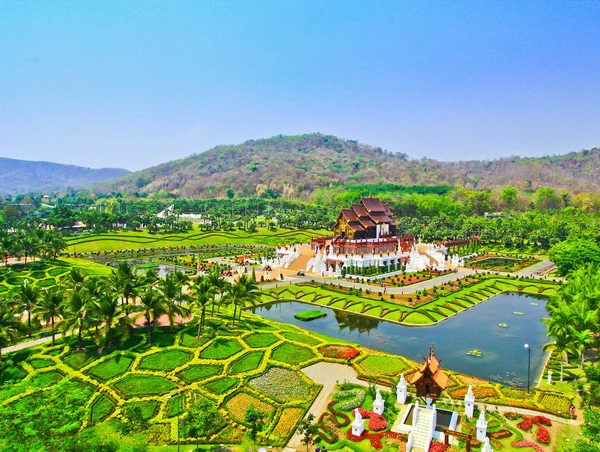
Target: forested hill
294,166
22,176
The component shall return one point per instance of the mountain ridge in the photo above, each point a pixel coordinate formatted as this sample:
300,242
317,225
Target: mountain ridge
295,166
23,176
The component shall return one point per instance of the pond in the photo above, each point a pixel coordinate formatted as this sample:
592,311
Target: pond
503,357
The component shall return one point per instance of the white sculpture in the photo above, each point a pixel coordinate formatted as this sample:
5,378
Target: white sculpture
481,427
486,446
401,390
469,403
378,403
550,382
358,425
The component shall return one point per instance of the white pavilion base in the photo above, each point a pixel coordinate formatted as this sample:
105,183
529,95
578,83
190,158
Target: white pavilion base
403,427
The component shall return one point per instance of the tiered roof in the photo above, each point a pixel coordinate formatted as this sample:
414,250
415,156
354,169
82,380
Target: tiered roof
432,370
369,213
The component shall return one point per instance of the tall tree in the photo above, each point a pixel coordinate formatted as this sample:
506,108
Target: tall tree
50,308
152,305
203,293
10,325
26,297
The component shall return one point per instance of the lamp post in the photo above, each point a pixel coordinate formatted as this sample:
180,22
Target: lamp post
528,348
178,414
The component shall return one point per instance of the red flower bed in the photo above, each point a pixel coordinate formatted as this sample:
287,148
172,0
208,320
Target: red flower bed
376,422
437,447
543,435
543,420
526,424
339,351
531,444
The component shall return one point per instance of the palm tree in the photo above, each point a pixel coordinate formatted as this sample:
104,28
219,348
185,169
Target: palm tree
76,314
50,307
10,325
234,295
76,279
582,340
204,292
106,309
560,329
26,297
219,283
30,246
251,290
152,305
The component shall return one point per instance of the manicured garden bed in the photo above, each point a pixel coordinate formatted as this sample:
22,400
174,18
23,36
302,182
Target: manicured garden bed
311,314
165,361
136,385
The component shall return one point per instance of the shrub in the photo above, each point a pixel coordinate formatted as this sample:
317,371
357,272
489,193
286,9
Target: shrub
355,397
292,354
222,385
221,349
135,385
249,361
110,368
199,372
165,361
259,340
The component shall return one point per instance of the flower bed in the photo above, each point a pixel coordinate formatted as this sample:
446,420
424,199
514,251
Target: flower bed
382,364
259,340
165,361
302,338
247,362
521,444
239,404
199,372
556,402
135,385
480,392
287,421
221,349
281,384
339,351
355,399
110,368
222,385
376,421
292,354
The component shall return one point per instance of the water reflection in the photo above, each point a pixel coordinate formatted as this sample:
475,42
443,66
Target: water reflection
502,359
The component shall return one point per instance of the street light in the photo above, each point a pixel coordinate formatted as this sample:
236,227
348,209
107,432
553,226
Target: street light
178,414
528,348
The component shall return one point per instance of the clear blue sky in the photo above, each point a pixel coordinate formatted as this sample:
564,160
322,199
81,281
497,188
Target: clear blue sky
136,83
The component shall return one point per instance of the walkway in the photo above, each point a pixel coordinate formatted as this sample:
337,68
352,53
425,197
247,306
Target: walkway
328,375
24,345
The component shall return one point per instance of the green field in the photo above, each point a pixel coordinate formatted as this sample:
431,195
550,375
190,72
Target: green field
136,240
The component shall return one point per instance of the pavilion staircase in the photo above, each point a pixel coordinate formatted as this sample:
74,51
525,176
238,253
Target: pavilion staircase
432,261
424,422
300,263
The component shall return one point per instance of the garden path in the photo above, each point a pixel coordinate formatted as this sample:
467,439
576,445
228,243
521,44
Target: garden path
328,375
24,345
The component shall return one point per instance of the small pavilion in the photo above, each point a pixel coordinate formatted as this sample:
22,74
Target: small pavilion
431,380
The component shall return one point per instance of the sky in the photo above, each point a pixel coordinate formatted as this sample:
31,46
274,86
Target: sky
135,83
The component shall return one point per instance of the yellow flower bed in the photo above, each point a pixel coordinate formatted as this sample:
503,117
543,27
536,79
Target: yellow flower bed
287,421
239,404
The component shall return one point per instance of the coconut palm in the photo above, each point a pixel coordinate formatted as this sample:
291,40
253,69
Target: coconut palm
10,325
76,314
219,283
152,306
251,290
234,295
581,341
172,292
50,307
26,297
105,308
203,293
560,329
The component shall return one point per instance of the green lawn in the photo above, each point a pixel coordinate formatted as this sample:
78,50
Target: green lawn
135,240
166,360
